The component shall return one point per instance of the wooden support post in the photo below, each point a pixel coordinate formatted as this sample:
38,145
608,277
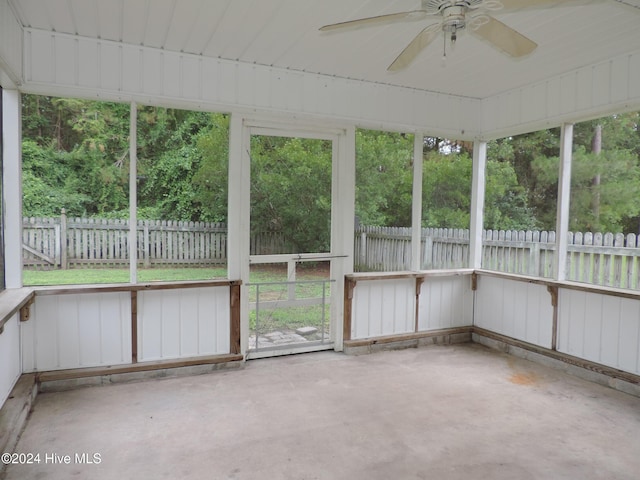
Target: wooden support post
234,327
349,285
419,282
134,326
553,290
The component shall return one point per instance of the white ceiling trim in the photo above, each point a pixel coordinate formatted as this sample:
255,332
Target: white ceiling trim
62,64
585,93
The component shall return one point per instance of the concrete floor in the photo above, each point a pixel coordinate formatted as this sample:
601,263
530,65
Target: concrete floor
454,412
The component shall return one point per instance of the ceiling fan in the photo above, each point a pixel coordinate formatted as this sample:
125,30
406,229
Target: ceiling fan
454,16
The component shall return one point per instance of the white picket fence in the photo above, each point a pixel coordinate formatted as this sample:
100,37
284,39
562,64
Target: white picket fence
601,259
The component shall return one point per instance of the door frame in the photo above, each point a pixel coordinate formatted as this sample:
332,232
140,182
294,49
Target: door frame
342,209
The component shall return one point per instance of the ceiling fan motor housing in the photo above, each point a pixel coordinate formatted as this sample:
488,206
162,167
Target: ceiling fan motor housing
453,18
433,7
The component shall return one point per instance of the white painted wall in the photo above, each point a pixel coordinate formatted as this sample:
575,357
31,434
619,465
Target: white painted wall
383,307
65,65
10,367
183,323
445,302
589,92
517,309
600,328
77,330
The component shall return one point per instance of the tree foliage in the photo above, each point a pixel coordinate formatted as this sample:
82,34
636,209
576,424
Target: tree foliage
76,156
70,156
384,172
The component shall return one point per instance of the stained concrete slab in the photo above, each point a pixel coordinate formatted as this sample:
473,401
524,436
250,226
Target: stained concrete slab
438,412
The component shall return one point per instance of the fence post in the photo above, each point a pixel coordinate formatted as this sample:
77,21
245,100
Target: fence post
427,256
534,260
63,239
363,248
146,242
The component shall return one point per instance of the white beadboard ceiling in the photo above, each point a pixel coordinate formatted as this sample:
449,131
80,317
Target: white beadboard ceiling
284,34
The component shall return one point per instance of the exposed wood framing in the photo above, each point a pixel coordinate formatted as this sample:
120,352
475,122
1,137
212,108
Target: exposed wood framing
134,327
234,327
553,290
403,337
138,367
563,357
580,287
25,310
349,285
132,288
419,282
358,277
12,301
234,304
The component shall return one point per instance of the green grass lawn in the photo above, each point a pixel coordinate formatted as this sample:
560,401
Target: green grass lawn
88,276
82,276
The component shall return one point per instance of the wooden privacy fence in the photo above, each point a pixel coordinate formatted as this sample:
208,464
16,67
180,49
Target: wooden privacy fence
601,259
76,242
387,249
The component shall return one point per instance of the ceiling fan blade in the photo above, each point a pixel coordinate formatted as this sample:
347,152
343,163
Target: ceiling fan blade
514,5
411,51
504,38
379,20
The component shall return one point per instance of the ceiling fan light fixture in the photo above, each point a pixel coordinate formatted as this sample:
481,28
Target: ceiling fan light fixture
455,15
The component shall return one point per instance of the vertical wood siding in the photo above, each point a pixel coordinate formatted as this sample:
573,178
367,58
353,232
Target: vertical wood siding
383,307
198,82
602,328
584,91
77,330
183,323
445,302
10,40
520,310
9,357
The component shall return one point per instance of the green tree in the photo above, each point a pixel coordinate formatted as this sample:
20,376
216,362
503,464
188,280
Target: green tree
618,191
211,179
72,156
291,190
169,158
384,172
446,193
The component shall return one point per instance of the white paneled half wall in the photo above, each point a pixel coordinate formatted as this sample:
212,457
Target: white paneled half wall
183,323
601,328
77,330
383,307
514,308
445,302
